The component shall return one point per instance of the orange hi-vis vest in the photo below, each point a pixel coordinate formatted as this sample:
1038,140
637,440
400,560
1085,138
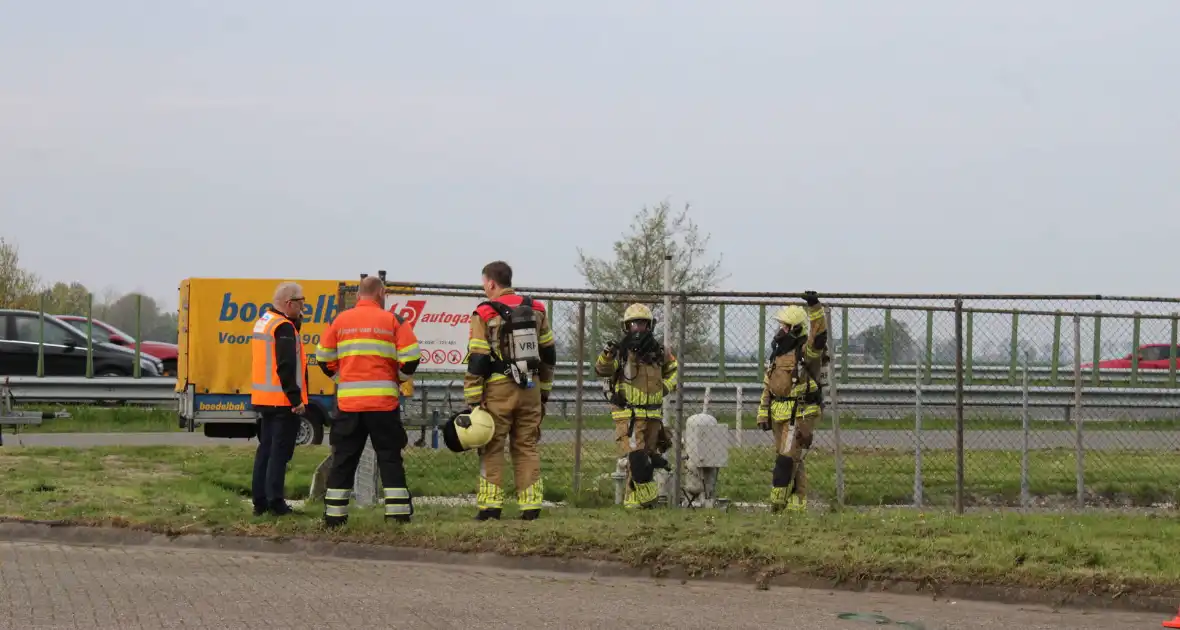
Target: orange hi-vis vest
365,346
265,387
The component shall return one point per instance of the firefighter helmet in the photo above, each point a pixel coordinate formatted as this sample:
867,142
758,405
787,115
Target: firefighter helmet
468,429
636,312
791,316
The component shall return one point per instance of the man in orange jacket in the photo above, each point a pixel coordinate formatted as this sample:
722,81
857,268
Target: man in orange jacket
369,352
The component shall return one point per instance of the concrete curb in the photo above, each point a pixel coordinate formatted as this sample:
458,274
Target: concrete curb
64,533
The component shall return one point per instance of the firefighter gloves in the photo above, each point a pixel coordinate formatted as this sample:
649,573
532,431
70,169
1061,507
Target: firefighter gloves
811,297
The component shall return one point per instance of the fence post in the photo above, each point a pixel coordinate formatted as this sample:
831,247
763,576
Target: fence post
888,345
833,391
1025,501
89,335
929,345
137,370
676,472
1135,328
844,344
918,436
761,334
41,340
1096,377
1055,362
1077,412
959,405
970,351
737,416
1014,348
1171,355
595,340
721,342
578,396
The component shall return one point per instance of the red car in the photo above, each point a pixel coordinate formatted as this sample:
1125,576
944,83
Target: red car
1153,356
104,332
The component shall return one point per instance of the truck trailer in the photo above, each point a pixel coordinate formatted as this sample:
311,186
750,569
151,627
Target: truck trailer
215,324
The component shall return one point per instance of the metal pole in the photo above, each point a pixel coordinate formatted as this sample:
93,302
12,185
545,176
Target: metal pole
918,436
1079,446
833,387
41,340
668,324
90,335
581,353
676,474
1025,501
138,333
959,405
737,414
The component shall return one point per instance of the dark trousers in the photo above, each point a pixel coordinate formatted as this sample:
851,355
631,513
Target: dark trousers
349,432
276,445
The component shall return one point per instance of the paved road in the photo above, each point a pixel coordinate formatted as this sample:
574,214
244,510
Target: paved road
44,586
1005,440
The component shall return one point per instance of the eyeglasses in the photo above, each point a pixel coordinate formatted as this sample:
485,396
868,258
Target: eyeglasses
296,299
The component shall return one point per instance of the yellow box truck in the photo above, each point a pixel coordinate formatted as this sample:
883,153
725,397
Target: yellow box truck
216,321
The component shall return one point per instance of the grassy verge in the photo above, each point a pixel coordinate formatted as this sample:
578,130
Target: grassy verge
190,490
901,422
89,419
86,419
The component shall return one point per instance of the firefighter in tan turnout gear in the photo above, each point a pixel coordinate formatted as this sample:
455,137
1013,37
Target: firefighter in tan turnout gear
640,372
791,397
509,375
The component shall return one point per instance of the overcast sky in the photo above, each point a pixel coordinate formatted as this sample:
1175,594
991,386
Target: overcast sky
842,146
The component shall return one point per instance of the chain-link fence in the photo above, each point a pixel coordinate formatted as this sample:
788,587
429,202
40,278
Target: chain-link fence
938,400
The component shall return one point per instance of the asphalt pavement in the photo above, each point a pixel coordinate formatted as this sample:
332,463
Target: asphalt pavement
64,587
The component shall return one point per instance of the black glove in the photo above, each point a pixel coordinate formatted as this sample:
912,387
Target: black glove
811,297
609,348
764,425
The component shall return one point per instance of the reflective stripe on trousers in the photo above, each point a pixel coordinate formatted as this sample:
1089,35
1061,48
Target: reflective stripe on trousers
336,502
397,502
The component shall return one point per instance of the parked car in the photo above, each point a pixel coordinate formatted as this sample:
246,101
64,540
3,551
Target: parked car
65,349
106,333
1152,356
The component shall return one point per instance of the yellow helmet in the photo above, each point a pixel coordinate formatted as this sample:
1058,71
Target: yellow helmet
638,311
468,429
791,316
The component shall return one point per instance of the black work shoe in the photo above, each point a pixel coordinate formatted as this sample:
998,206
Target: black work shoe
398,518
334,522
530,515
260,510
493,513
280,509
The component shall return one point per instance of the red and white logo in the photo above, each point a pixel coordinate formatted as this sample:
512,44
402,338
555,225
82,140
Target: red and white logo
411,312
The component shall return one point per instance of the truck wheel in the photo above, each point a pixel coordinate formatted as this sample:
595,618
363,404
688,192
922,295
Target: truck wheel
311,428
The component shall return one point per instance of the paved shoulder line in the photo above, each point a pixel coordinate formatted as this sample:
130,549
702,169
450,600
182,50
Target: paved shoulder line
63,533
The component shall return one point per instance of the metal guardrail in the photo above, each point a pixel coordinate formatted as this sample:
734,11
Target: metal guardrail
161,390
81,389
869,372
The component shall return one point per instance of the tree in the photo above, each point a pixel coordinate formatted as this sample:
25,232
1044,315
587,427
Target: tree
67,299
638,265
18,286
872,340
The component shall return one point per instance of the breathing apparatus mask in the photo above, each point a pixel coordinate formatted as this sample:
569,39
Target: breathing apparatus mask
639,338
787,340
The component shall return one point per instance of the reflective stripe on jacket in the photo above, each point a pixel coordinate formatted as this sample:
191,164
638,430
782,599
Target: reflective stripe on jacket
266,388
367,346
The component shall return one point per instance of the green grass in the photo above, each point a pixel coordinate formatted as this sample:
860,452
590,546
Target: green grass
901,422
90,419
191,490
